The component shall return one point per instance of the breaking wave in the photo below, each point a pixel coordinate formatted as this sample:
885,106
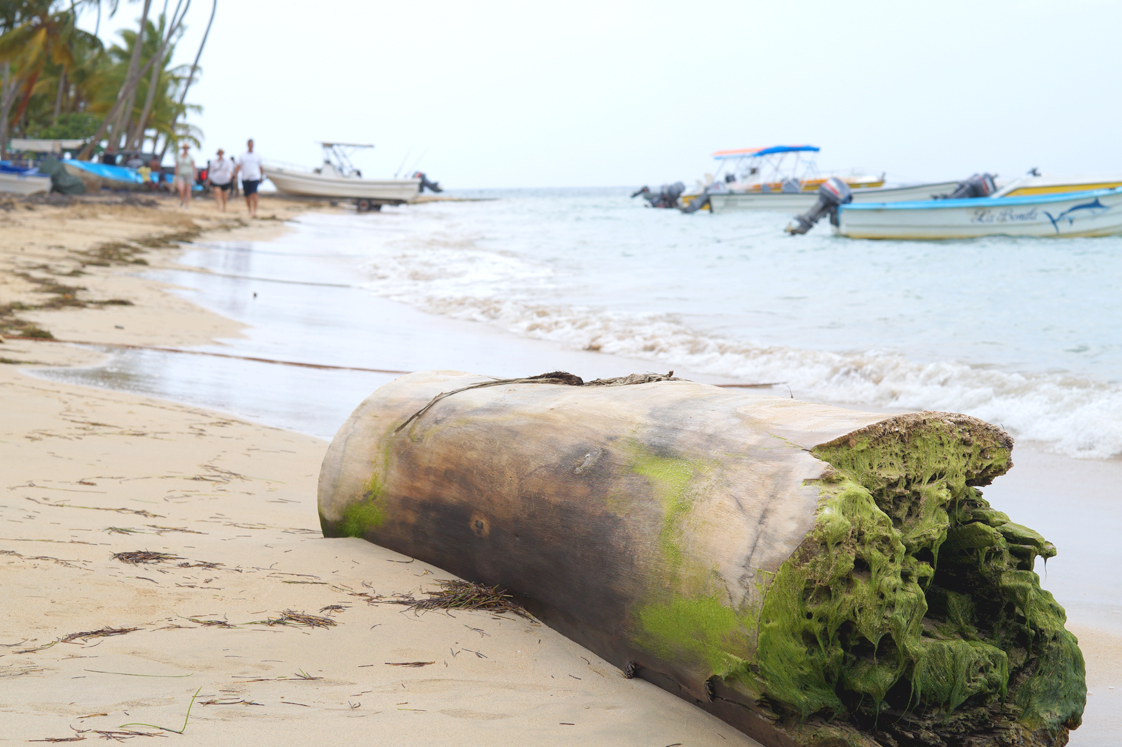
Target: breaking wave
446,274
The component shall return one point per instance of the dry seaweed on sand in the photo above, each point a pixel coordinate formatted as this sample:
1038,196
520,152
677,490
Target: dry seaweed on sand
76,738
88,634
210,623
290,617
81,637
200,564
144,556
229,701
463,595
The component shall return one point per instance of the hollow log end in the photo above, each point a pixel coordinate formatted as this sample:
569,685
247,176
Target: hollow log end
911,614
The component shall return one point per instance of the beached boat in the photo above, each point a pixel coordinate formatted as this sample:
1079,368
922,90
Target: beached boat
1092,213
98,176
338,178
14,180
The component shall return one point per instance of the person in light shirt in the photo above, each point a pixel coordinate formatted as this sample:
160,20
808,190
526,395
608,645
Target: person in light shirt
249,167
185,175
220,172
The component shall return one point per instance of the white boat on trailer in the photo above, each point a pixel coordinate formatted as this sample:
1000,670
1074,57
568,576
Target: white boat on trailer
1093,213
338,178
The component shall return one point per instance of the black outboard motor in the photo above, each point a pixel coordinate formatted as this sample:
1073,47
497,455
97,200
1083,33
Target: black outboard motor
426,184
666,197
833,193
979,185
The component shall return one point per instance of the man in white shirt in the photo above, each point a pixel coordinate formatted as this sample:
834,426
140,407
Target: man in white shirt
249,166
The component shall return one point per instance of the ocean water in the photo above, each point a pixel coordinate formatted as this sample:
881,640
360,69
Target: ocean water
1024,333
1021,332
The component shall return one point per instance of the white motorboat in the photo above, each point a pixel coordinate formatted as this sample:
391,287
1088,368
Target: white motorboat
1040,184
1092,213
720,202
23,181
338,178
778,170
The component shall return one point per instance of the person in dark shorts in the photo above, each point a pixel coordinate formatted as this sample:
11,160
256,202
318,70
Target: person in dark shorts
220,172
249,167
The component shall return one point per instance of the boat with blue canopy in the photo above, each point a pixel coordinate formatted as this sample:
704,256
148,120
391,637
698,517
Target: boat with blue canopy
786,177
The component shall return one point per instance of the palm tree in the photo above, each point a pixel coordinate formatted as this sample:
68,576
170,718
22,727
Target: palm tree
36,36
194,69
117,119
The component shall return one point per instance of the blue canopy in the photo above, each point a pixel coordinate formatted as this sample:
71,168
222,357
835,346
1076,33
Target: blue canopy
755,152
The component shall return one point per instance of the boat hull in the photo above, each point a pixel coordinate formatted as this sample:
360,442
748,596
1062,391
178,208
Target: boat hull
98,176
377,191
799,201
21,184
1048,185
1095,213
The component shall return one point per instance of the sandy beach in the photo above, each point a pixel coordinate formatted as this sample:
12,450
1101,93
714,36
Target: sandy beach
155,553
158,557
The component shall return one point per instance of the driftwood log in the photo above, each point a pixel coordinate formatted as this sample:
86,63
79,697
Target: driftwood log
812,575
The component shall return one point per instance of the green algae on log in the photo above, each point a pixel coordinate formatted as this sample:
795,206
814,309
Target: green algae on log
813,575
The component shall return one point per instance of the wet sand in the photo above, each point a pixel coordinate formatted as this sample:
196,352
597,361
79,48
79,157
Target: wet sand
251,488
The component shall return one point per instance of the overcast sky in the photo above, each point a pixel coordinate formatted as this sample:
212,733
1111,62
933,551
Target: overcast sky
574,93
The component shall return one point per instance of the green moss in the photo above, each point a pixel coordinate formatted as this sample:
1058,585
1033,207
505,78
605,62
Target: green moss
912,594
670,478
837,618
358,518
365,514
697,630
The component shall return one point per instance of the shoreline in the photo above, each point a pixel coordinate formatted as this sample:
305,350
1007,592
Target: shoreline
243,612
157,317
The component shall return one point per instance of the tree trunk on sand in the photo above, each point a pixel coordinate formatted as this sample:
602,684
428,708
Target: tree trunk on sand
190,79
810,574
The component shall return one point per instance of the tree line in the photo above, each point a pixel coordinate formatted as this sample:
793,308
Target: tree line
58,81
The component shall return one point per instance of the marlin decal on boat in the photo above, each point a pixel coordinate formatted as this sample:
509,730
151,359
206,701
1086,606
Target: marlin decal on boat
1096,208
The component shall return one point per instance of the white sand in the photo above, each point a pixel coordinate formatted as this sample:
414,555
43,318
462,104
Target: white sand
87,474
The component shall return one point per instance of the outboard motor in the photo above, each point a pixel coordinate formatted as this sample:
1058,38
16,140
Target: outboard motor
666,197
426,184
697,203
833,193
979,185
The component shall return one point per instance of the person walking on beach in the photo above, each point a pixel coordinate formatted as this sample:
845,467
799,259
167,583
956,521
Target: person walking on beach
185,175
249,166
220,172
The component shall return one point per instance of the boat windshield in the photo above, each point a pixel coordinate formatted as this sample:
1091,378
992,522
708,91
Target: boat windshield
338,156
